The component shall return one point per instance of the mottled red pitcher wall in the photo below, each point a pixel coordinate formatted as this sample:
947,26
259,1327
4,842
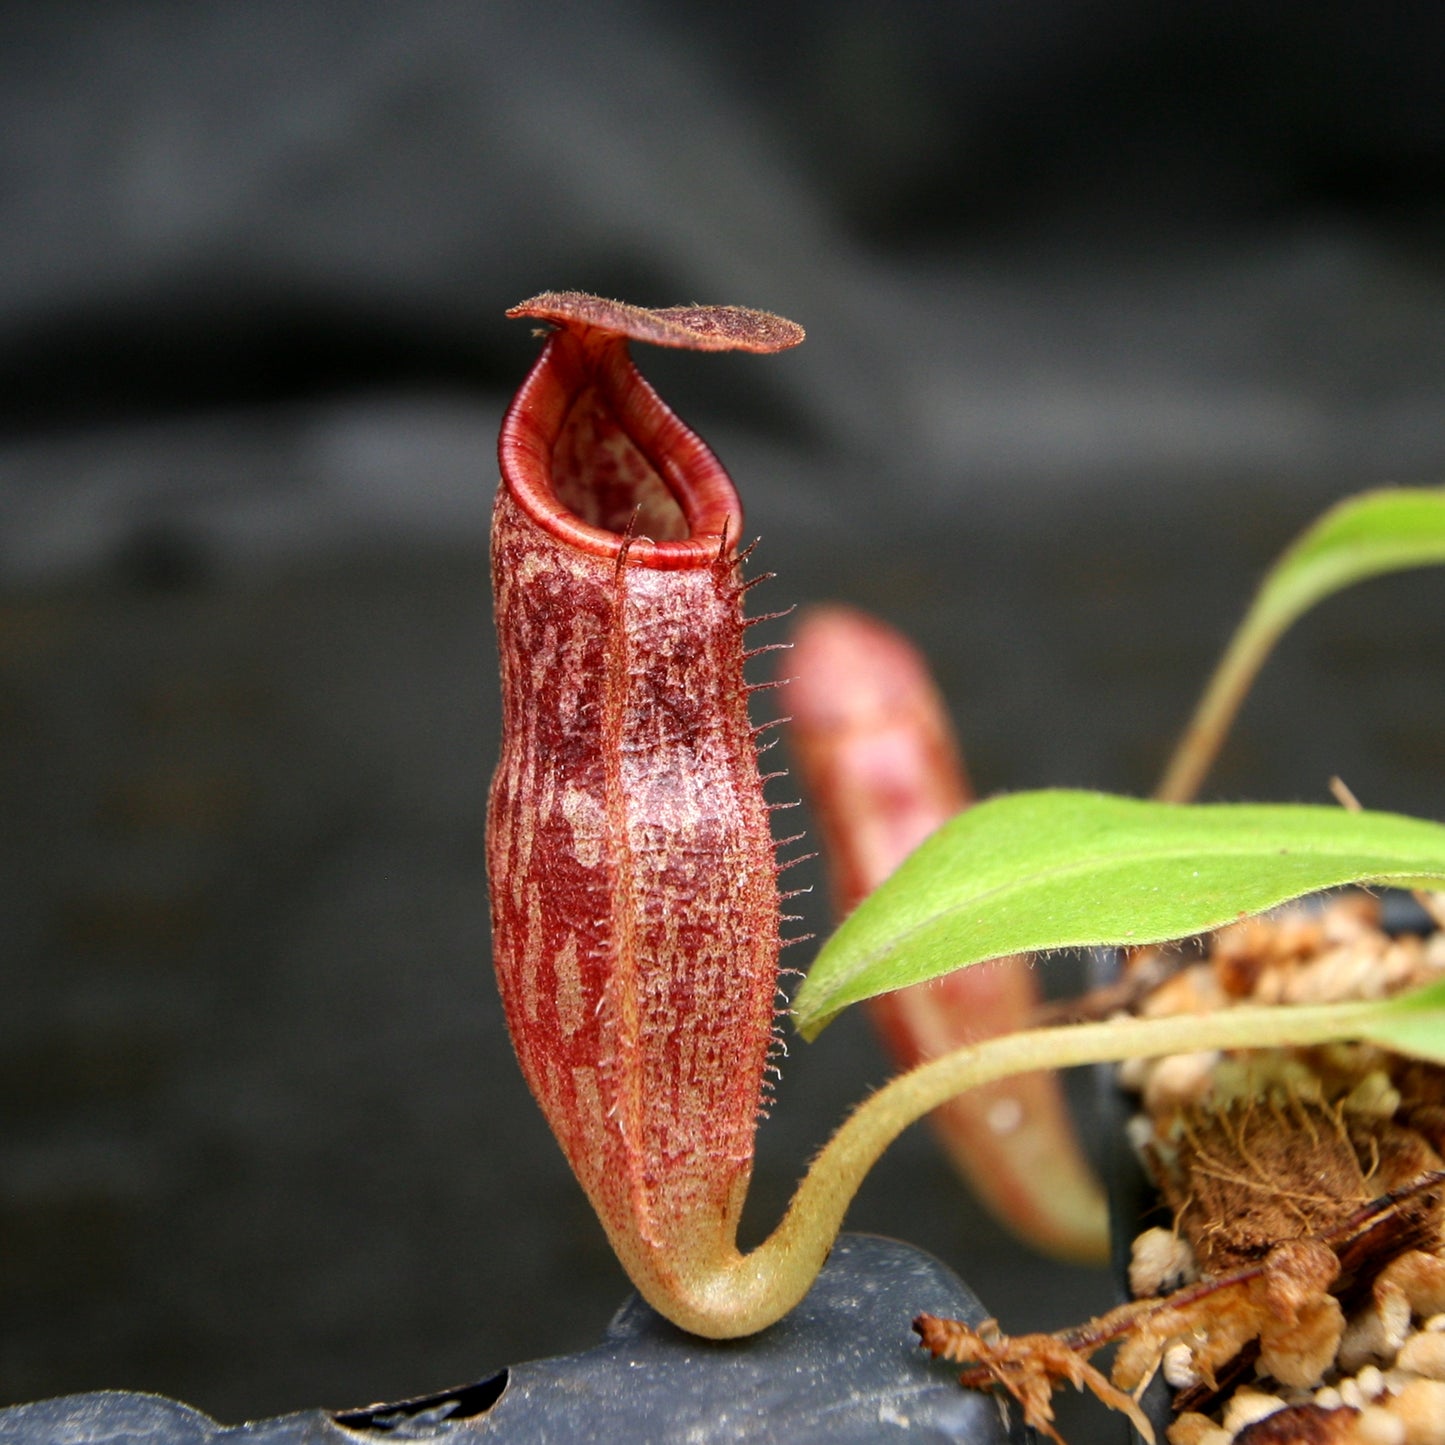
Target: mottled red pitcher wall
634,898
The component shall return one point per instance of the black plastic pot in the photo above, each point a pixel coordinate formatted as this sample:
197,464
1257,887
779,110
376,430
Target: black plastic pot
844,1367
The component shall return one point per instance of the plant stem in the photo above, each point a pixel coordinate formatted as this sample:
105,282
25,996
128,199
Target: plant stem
750,1292
1363,536
1228,686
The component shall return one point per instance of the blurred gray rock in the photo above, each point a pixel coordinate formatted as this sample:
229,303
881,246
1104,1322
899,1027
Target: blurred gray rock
843,1366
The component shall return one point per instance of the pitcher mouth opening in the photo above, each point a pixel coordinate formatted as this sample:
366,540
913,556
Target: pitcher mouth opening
596,458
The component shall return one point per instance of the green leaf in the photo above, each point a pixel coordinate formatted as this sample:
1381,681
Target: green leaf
1413,1023
1029,872
1363,536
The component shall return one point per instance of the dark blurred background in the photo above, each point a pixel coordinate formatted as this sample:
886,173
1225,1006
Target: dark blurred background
1104,303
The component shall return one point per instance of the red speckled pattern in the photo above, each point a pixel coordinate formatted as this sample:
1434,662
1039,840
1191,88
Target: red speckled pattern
634,900
696,328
